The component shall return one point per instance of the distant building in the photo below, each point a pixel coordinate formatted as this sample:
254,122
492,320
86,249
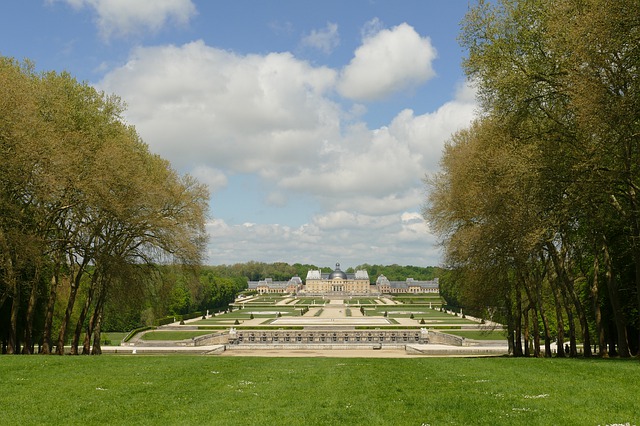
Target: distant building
341,283
410,286
338,282
267,285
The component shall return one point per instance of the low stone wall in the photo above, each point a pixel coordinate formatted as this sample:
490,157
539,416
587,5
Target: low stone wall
328,336
439,350
311,346
446,339
211,339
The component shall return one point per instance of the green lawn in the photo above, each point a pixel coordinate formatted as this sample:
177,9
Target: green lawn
311,301
213,390
173,334
113,337
479,334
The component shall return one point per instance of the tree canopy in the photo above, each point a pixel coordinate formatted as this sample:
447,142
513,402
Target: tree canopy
84,204
536,204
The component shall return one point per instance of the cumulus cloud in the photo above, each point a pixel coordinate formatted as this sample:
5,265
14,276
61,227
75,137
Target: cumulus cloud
121,18
324,40
213,178
346,237
373,163
247,113
390,61
215,113
426,134
385,163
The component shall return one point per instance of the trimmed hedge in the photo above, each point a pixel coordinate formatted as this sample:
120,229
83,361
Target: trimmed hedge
191,316
166,320
136,331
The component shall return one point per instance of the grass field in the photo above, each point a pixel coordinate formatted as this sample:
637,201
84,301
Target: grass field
479,334
212,390
173,335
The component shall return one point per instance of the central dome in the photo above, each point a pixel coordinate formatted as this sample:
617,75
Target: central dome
337,274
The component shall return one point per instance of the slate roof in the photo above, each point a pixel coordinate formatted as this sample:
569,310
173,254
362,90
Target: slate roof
410,282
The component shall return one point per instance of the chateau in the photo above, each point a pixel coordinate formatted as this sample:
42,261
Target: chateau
340,283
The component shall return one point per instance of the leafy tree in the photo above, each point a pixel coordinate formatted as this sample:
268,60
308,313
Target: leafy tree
532,196
81,202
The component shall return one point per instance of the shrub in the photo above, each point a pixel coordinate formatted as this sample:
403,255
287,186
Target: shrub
192,315
136,331
165,321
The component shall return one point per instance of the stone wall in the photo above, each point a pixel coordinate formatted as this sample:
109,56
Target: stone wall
445,339
327,336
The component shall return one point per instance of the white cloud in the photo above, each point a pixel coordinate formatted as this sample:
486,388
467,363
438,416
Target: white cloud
367,166
324,40
350,239
388,62
213,178
345,220
215,113
371,28
426,134
251,114
121,18
379,205
371,162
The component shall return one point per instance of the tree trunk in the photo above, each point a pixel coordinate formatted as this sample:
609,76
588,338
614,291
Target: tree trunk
570,320
559,319
13,345
510,325
13,294
97,348
536,335
569,295
525,333
597,313
31,308
614,298
637,264
530,288
75,285
48,319
83,314
93,321
517,316
543,317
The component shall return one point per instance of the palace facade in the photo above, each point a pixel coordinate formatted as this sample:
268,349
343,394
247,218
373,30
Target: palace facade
339,282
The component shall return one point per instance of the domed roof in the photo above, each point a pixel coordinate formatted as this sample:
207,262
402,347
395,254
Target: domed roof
337,273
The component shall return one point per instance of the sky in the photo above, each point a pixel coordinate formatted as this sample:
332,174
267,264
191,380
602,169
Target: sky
313,123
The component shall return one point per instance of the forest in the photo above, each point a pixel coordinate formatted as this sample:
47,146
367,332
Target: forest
536,204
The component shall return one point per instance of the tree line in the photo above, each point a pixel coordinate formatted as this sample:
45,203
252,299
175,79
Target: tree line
537,203
86,211
174,291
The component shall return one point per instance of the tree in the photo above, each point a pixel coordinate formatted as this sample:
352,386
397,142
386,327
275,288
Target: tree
72,221
535,192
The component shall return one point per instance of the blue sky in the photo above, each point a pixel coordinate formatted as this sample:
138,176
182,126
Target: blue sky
312,122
